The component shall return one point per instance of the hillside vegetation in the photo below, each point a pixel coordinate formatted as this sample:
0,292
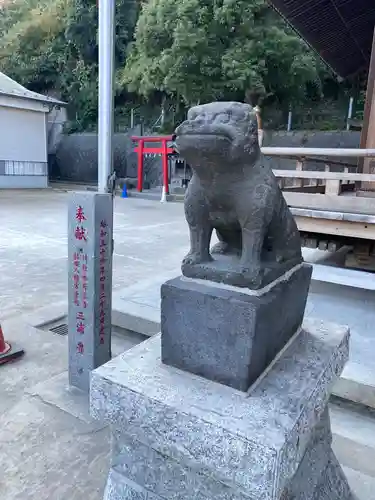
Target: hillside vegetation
171,53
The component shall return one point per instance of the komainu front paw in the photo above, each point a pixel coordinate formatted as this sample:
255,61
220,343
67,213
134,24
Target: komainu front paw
253,276
196,258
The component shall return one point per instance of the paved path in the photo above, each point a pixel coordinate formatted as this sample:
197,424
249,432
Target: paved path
150,240
50,450
47,448
148,236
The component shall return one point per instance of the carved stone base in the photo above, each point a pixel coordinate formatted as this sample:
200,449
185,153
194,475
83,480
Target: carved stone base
179,436
319,475
227,269
229,334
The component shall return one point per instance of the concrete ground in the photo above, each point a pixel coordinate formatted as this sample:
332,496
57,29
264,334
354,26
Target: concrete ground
49,447
150,240
33,246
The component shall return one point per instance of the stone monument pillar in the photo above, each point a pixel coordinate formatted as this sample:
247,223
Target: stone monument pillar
230,401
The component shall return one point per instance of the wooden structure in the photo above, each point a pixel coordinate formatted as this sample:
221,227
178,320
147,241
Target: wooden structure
368,129
335,206
329,211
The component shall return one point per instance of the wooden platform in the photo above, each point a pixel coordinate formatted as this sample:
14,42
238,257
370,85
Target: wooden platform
330,211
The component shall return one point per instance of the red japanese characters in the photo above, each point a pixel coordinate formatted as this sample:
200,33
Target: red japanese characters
80,275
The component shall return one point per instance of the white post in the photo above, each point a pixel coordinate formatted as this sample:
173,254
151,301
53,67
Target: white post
162,116
132,118
350,113
106,66
289,121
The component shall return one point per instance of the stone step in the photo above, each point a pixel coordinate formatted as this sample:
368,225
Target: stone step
362,485
353,429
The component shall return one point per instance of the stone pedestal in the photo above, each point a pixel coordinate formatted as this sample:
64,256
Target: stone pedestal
179,436
230,334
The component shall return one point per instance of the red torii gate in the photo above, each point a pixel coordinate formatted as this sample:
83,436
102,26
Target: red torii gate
164,150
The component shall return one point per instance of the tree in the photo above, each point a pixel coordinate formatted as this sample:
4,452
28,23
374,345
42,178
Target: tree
213,49
52,44
30,48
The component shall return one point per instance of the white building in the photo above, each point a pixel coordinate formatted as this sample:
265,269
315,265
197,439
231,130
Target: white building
23,135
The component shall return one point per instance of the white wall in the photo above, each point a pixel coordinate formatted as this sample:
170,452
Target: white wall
23,181
23,135
17,102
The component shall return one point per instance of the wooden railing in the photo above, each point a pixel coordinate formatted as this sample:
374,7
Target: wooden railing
319,152
332,182
325,190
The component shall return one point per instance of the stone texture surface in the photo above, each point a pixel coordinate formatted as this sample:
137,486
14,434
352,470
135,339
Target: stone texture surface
194,431
333,484
233,192
228,269
227,334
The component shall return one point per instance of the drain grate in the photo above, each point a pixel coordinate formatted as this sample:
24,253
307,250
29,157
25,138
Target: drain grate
60,329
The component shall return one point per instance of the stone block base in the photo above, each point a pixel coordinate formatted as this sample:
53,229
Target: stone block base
178,436
229,334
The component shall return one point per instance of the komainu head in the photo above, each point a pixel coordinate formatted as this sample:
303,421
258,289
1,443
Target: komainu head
219,132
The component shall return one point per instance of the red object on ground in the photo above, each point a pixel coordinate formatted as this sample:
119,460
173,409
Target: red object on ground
8,352
163,150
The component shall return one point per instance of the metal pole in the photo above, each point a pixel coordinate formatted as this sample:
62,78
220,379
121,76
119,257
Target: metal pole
350,113
289,126
106,67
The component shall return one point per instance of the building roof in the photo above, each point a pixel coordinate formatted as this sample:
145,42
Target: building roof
11,88
340,31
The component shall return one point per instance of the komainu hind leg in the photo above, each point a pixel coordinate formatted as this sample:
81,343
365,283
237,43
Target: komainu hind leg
230,242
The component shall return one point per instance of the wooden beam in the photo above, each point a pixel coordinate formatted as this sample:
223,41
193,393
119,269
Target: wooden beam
333,176
367,165
314,159
328,153
350,204
326,214
336,227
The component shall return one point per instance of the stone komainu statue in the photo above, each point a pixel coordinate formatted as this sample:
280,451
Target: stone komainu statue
233,192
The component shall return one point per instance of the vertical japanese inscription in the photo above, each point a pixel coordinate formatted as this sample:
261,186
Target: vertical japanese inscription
90,284
80,278
103,250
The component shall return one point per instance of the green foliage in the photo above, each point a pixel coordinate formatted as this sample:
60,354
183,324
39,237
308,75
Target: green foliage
30,48
360,106
179,52
213,49
52,44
